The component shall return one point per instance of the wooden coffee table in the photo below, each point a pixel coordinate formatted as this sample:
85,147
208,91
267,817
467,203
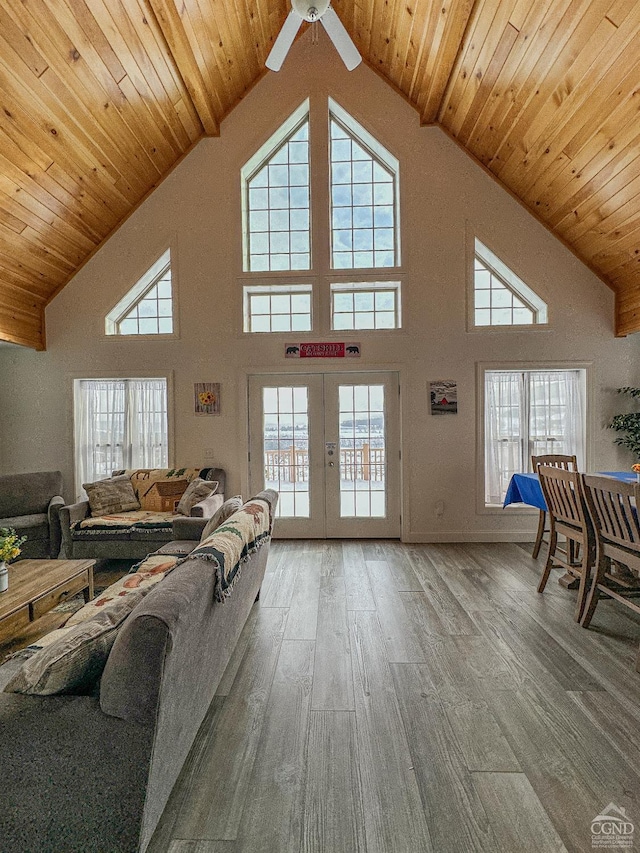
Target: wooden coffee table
37,586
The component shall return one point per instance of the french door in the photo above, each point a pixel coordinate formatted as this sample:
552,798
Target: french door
329,444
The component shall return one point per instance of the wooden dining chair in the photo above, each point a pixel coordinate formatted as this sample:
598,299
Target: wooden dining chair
563,494
613,509
556,460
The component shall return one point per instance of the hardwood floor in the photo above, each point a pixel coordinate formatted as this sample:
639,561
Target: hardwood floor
389,698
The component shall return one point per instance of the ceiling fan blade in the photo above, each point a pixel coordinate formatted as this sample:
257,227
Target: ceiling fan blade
284,41
341,39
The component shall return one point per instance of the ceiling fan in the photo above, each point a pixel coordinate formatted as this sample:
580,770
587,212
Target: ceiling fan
311,11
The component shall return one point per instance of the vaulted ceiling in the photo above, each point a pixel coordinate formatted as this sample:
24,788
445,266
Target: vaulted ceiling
100,98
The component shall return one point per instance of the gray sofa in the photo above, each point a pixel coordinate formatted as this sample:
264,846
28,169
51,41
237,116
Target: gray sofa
132,543
93,773
30,503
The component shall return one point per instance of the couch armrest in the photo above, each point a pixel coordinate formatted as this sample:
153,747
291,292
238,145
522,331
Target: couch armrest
188,528
68,515
55,534
207,507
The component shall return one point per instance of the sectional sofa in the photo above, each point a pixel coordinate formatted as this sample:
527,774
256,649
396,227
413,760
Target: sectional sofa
134,534
92,773
30,503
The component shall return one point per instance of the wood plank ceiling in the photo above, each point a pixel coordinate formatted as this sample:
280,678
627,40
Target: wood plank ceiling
100,98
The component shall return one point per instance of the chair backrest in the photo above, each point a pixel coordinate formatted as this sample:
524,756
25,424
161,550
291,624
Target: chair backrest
555,460
612,505
563,495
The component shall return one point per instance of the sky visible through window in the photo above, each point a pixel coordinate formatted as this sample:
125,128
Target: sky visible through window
495,303
365,309
279,312
362,205
278,204
152,314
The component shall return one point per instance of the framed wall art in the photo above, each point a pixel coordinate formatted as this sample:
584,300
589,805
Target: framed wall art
444,397
207,398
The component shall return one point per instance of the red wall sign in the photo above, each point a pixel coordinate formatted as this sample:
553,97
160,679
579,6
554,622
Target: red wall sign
322,350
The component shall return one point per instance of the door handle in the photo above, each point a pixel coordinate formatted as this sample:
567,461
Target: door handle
331,464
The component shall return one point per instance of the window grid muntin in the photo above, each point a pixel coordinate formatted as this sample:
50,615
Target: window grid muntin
491,288
269,225
152,313
285,429
349,311
362,451
279,310
370,201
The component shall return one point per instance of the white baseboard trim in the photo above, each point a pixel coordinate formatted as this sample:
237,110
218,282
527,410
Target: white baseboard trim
470,536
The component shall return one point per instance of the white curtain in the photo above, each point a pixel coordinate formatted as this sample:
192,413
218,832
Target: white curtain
505,419
119,423
557,414
147,424
530,413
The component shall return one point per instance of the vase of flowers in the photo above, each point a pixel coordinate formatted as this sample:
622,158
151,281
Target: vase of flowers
10,544
636,469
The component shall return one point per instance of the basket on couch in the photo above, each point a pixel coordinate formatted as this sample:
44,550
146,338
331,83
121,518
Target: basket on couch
164,495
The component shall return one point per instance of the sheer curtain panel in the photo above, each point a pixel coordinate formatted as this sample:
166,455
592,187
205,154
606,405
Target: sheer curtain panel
527,413
119,423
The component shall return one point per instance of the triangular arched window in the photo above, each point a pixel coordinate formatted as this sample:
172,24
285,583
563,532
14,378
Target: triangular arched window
147,309
500,297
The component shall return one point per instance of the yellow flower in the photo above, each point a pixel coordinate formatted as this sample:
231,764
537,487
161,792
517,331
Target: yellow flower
636,468
207,398
9,544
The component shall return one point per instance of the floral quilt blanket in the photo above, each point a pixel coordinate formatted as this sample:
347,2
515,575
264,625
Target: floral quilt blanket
124,520
231,544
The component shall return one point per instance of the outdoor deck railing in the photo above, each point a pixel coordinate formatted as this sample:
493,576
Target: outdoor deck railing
292,465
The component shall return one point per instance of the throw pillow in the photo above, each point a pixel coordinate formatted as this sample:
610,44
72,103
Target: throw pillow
75,662
221,515
197,491
113,495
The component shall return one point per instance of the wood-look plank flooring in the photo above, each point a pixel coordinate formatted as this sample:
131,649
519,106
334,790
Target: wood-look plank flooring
389,698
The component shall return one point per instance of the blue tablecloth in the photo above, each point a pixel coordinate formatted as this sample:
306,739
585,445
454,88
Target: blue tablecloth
526,489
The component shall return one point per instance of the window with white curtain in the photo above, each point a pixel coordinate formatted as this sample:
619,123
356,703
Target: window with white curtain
529,413
119,423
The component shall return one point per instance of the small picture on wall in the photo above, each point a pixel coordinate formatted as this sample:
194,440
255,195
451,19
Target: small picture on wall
444,397
207,398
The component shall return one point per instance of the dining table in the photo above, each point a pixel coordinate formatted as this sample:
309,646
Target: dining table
526,489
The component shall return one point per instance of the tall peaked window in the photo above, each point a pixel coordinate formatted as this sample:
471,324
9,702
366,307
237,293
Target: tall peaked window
147,309
501,298
329,218
363,197
119,423
530,413
277,200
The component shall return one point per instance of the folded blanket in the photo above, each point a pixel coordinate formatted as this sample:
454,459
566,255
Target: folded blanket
231,544
124,520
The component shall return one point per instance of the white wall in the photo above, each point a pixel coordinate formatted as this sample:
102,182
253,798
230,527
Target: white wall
443,192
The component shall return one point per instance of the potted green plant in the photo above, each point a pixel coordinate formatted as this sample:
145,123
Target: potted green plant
10,544
629,425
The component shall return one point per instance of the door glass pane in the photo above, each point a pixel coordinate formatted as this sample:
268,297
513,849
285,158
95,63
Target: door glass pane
362,451
286,448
